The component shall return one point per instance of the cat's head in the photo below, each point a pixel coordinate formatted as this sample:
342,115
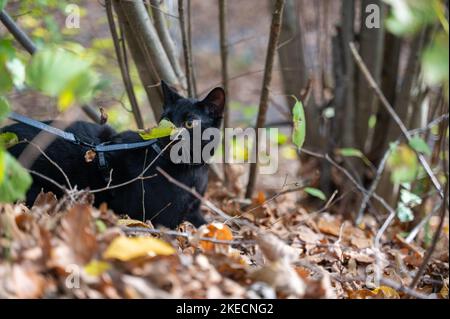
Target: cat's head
183,111
194,116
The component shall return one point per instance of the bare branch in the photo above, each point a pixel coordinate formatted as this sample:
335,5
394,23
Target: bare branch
275,31
122,65
394,115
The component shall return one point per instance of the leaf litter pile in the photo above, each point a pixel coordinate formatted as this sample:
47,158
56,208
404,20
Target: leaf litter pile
274,249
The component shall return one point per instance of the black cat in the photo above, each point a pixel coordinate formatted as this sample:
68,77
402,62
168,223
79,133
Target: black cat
162,202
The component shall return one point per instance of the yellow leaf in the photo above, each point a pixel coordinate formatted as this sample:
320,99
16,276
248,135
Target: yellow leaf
125,248
289,153
96,267
132,223
386,292
165,128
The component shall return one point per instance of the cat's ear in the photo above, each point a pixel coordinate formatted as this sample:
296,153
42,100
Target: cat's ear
215,100
169,94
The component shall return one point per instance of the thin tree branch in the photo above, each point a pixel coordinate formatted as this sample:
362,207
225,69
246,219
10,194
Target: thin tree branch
275,31
225,76
166,39
438,232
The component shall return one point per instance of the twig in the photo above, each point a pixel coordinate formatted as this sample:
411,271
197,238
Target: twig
189,236
166,39
18,34
373,186
189,40
225,76
438,232
275,31
422,223
350,177
372,83
382,165
50,160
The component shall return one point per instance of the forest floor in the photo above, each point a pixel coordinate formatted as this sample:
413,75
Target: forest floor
275,248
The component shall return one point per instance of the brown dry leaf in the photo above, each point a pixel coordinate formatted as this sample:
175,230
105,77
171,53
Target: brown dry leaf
77,233
365,256
274,249
90,156
361,294
25,283
217,231
125,248
282,277
361,242
307,235
330,225
103,116
45,203
386,292
413,259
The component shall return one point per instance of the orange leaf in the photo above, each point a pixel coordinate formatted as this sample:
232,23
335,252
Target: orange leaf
217,231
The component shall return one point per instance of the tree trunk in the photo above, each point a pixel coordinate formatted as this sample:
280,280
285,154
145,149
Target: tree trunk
166,40
275,31
390,76
371,50
347,110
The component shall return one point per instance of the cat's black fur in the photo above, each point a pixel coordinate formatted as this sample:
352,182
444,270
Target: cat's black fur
165,203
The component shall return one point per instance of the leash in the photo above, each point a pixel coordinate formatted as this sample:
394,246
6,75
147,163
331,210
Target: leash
99,149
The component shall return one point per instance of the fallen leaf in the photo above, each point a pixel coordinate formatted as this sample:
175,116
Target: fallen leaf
132,223
77,232
329,225
90,156
217,231
96,267
386,292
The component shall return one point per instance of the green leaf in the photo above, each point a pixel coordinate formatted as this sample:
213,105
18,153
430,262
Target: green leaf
165,128
418,144
8,140
435,61
351,152
2,4
404,164
315,193
14,179
4,108
299,120
7,53
63,74
409,16
409,199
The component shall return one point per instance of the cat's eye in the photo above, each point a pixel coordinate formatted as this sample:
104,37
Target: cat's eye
190,124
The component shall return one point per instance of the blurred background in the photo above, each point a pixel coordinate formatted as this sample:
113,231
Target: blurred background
403,43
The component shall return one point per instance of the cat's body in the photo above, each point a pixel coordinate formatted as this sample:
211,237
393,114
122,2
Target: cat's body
153,198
